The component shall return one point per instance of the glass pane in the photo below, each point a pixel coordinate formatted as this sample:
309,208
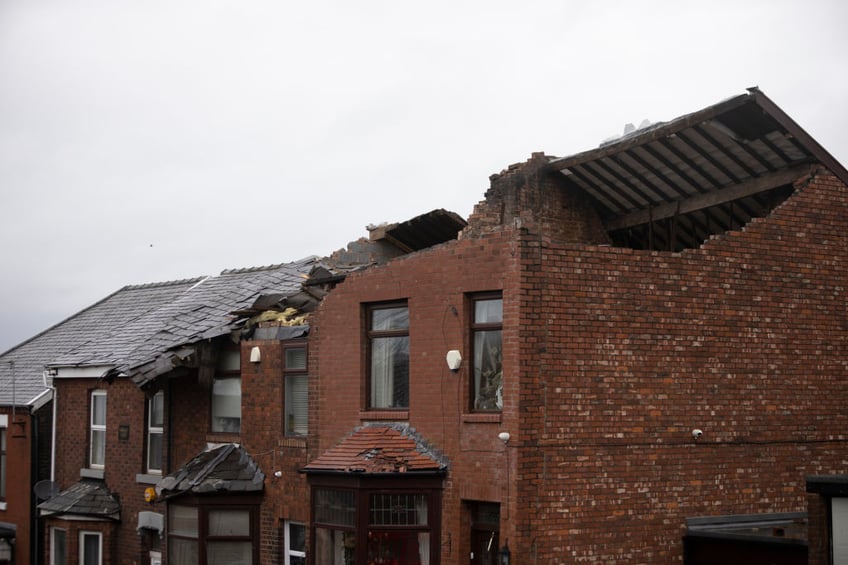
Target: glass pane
59,547
98,409
488,311
157,410
392,546
226,405
295,358
335,507
182,551
229,553
229,523
90,549
390,372
297,537
398,510
297,402
384,319
229,360
334,547
182,521
488,371
154,452
98,447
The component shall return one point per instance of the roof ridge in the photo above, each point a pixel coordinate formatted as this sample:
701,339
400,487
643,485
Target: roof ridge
275,266
162,284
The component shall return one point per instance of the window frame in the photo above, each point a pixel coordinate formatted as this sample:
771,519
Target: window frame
223,374
53,560
476,328
203,508
154,430
290,374
97,428
99,536
371,336
288,552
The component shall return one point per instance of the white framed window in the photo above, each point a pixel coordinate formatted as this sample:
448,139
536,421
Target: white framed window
58,546
226,393
155,431
90,548
97,439
294,544
296,390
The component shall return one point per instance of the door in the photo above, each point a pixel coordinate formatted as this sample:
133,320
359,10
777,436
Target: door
485,538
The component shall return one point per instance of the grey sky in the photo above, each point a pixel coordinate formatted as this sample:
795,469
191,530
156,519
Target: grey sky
158,140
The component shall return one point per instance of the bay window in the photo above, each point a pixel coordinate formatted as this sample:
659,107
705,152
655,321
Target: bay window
209,534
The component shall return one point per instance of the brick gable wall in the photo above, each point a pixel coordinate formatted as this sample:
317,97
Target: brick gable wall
625,352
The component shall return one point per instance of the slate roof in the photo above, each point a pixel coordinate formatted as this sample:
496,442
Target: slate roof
92,325
226,468
380,448
137,324
88,498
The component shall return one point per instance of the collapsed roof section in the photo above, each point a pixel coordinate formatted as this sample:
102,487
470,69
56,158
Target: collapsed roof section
225,468
672,185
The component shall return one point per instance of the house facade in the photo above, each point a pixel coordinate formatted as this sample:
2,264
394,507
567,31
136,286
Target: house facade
650,332
619,354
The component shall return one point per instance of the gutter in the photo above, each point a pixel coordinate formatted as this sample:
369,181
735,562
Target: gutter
52,388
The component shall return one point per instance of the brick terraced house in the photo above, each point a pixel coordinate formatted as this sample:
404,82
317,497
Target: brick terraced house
630,355
652,338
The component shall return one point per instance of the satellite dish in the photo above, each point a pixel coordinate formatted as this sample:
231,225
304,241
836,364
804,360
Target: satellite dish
45,489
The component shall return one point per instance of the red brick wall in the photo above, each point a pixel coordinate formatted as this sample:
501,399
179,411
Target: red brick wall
618,355
625,352
125,405
18,480
435,283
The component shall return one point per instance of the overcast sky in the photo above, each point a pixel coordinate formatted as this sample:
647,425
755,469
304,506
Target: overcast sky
146,141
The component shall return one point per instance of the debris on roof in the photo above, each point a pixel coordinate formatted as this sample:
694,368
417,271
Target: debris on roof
380,448
225,468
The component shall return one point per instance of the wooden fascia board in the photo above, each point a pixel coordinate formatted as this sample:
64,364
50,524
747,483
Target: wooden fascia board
714,198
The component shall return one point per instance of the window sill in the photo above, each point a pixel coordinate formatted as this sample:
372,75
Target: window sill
92,473
391,415
482,417
148,479
223,437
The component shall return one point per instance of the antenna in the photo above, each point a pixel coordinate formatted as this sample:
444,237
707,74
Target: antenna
45,489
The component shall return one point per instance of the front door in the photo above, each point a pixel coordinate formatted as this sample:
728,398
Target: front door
485,524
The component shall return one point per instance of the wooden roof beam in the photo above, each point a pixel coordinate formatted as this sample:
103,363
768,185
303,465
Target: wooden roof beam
707,200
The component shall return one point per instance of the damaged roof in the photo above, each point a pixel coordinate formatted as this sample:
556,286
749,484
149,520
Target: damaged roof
226,468
672,185
380,448
89,498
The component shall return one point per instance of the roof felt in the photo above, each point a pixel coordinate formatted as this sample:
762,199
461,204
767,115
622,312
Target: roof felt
380,448
226,468
137,324
88,498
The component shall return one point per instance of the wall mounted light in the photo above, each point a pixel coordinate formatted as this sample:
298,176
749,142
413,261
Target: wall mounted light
504,554
255,354
454,360
504,437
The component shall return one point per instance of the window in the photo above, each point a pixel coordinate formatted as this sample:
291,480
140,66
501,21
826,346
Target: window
487,345
226,393
294,544
388,340
297,393
376,525
58,546
211,535
155,429
91,548
97,441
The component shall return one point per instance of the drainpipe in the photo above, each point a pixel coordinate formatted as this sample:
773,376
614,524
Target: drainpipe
52,425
